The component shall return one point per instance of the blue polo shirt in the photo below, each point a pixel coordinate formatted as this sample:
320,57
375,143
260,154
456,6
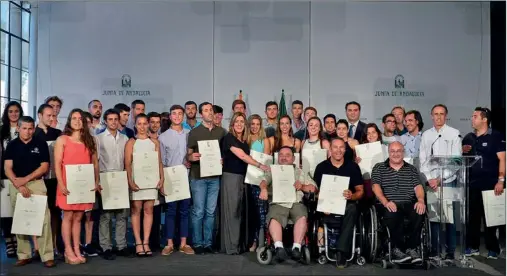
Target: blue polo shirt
487,146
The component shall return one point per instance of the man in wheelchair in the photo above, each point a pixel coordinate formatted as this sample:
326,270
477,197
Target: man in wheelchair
337,165
398,188
280,213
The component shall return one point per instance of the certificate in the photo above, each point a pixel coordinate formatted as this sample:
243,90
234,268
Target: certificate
370,154
176,184
331,199
494,208
80,183
51,173
283,183
29,215
296,159
146,194
146,169
115,190
5,199
442,213
311,158
210,161
255,175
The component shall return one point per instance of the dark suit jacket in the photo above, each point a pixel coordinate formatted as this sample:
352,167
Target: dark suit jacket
360,129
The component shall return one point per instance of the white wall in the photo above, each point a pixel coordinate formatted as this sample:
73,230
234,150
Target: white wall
324,54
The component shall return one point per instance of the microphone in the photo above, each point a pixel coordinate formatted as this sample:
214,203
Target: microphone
439,136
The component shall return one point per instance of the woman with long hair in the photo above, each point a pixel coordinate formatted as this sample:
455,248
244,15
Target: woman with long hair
371,134
76,146
236,158
342,131
8,132
258,142
316,139
142,199
284,136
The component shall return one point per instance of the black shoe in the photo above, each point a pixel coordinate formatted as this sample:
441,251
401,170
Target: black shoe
449,257
199,250
89,250
341,261
296,254
280,254
416,258
209,250
399,257
125,252
108,255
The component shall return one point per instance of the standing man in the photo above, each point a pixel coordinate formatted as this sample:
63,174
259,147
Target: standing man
441,140
47,134
309,113
204,189
239,106
219,115
154,120
95,108
353,113
190,112
330,127
56,103
389,125
124,112
165,122
173,148
136,107
297,110
271,121
399,114
111,148
412,138
490,145
26,162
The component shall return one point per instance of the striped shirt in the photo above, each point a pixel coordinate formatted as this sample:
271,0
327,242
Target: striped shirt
397,185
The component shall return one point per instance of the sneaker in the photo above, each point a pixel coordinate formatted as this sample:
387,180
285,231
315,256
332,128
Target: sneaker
296,254
280,254
449,257
399,257
416,258
89,250
108,255
492,255
472,252
341,261
199,250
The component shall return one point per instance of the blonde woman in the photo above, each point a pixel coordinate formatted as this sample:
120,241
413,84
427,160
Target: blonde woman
258,142
236,158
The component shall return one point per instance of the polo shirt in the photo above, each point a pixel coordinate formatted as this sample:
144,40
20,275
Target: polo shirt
201,133
397,186
347,169
487,146
51,135
189,127
26,158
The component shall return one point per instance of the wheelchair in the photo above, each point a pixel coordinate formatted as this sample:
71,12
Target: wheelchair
328,233
380,243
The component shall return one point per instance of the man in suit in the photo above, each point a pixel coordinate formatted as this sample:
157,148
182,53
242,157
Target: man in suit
356,127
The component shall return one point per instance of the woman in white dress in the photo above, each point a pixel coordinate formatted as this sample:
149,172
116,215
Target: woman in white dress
142,199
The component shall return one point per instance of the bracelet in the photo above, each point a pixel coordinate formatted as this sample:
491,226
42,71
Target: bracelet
501,179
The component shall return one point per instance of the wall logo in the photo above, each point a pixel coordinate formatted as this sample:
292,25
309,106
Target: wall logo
399,90
399,82
126,81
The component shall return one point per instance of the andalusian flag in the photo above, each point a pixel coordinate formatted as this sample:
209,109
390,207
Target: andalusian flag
240,96
282,109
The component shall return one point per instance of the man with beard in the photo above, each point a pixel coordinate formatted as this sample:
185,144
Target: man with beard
190,112
137,107
124,112
412,138
95,108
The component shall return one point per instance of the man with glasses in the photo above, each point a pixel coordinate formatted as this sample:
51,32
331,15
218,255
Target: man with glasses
389,125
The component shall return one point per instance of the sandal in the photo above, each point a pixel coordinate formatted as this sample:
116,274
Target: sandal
140,253
147,253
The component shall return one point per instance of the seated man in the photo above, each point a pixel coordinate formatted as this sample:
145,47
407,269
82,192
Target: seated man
397,186
337,165
280,213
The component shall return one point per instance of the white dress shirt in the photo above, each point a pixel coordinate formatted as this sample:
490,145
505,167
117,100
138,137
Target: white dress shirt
111,151
444,142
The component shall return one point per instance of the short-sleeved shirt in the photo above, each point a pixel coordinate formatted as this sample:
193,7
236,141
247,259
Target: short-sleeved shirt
232,163
487,146
397,185
51,135
347,169
201,133
26,158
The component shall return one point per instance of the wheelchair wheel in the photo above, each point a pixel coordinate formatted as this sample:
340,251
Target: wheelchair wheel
373,234
264,255
361,261
385,264
322,259
306,255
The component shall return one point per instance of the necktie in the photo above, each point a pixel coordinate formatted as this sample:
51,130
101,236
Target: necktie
351,131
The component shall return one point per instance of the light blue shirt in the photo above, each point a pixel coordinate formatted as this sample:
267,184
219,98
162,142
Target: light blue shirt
411,144
173,147
188,127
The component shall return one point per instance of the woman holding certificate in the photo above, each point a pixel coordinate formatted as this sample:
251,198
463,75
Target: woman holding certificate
284,136
316,138
76,146
236,158
371,134
146,178
342,130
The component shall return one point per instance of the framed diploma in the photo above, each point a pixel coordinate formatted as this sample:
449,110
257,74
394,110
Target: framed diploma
331,199
311,158
176,184
255,175
283,183
145,169
29,215
210,161
115,190
5,199
80,183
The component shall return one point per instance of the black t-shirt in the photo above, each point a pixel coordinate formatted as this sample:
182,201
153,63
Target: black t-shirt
51,135
347,169
26,158
232,164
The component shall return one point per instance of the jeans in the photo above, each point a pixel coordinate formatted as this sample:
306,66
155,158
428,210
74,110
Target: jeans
170,218
261,210
204,196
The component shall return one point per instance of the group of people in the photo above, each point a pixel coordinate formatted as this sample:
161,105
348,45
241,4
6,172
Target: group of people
110,140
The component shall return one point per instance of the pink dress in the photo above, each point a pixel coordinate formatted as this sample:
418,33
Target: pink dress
73,154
